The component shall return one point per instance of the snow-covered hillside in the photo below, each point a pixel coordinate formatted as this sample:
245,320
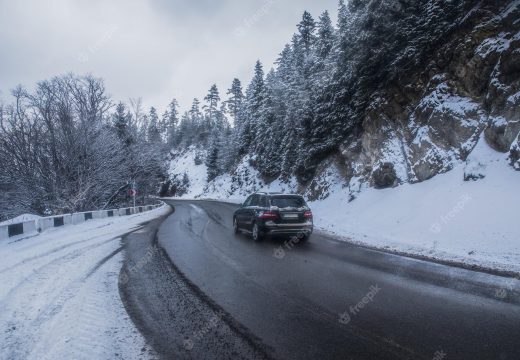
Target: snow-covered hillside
473,221
230,187
186,165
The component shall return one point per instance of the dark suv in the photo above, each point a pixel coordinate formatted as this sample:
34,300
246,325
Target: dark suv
274,214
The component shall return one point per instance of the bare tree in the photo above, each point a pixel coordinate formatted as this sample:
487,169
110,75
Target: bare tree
60,153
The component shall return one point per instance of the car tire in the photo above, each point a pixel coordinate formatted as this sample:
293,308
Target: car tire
236,229
257,236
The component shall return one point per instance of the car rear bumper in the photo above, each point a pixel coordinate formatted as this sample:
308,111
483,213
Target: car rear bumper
272,228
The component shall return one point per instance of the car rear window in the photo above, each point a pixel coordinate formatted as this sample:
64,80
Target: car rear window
287,202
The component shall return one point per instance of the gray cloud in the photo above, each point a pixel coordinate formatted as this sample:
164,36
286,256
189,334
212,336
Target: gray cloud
155,49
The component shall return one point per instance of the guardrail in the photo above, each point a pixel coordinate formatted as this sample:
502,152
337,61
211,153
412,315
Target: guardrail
44,223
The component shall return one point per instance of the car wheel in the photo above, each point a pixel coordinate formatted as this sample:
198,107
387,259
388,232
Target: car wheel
256,233
236,230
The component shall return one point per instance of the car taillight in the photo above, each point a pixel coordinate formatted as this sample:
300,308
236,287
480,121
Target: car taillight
307,214
268,215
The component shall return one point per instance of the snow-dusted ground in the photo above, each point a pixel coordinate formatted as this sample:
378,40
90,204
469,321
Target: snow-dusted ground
446,218
223,187
473,222
197,174
59,296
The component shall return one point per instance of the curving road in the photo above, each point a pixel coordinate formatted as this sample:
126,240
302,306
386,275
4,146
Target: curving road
323,299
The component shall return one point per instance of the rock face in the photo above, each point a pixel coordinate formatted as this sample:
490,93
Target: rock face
384,176
430,119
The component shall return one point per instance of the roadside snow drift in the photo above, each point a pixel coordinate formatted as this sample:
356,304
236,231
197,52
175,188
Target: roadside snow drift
59,293
474,222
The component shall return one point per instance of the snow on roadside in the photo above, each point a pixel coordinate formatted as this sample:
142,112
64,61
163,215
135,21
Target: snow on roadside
447,218
21,218
59,293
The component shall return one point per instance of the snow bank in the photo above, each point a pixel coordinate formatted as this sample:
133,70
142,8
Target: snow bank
59,293
20,219
474,222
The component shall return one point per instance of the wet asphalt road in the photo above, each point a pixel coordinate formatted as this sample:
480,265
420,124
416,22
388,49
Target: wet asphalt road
176,319
323,299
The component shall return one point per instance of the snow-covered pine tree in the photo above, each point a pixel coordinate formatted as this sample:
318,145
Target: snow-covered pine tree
325,37
195,113
254,99
172,121
307,28
212,159
211,108
181,136
270,133
199,131
234,106
154,134
235,101
142,124
121,121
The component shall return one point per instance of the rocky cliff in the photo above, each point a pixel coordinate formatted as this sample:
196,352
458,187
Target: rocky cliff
427,120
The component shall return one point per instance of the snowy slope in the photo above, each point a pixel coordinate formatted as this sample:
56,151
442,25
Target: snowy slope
474,222
184,163
233,187
59,294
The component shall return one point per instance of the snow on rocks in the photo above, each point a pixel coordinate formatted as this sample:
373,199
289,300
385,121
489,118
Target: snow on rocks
444,129
497,44
444,218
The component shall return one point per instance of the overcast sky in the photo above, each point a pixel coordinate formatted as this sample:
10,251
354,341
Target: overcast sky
154,49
